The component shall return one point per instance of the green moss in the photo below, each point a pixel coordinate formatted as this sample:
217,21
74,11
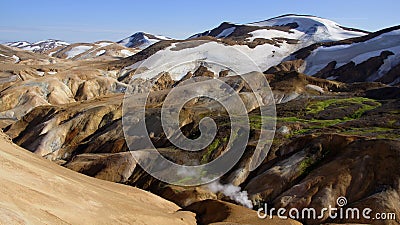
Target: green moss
364,108
365,103
255,122
211,148
299,132
309,125
305,164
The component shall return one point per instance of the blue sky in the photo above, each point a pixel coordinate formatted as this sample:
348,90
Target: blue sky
87,21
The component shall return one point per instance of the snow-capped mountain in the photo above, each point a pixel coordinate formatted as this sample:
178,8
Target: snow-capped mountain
267,42
141,40
312,28
307,29
40,46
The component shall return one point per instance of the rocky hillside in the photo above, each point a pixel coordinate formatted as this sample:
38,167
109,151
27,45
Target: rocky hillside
334,126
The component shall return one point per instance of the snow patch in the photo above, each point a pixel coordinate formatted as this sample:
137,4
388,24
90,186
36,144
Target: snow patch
315,88
40,73
77,51
127,52
101,52
103,44
226,32
16,58
272,33
162,37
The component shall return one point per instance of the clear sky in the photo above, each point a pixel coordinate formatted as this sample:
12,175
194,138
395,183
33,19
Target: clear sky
89,20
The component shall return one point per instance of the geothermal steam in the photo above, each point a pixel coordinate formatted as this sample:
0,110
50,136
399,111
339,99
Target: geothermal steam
231,191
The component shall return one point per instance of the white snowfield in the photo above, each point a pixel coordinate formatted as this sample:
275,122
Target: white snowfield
264,56
77,51
358,53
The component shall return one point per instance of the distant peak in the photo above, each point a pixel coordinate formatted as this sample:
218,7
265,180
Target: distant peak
141,40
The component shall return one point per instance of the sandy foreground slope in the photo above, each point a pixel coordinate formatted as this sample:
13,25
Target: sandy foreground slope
35,191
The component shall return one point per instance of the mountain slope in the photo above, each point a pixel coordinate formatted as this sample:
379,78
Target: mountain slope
96,50
10,55
36,191
40,46
375,57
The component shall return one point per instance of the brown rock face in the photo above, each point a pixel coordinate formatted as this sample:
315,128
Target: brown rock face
287,66
392,76
116,167
350,72
358,169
